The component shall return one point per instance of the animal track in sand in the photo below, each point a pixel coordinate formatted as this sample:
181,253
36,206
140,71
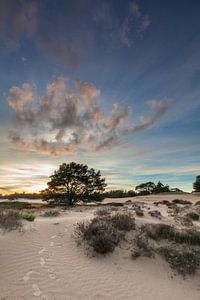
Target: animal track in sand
42,250
28,275
37,291
42,261
53,236
51,275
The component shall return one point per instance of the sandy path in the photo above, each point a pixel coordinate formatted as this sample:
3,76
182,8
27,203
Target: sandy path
44,262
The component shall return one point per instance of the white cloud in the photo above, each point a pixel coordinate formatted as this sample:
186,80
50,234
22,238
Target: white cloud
65,120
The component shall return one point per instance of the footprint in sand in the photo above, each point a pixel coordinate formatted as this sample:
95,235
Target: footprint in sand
52,244
37,291
52,276
65,230
42,261
53,236
27,276
42,250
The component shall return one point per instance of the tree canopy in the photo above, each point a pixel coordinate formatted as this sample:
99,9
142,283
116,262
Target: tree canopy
73,182
145,188
196,184
152,188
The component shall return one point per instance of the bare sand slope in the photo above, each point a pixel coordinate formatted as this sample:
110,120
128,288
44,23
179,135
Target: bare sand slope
44,262
155,198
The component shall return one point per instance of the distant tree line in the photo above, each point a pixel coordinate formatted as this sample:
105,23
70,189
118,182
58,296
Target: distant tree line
73,182
119,194
196,184
153,188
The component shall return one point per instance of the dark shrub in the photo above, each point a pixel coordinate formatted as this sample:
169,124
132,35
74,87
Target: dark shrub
15,205
185,262
139,212
155,214
10,220
118,204
99,234
102,212
51,213
183,202
141,247
123,221
164,231
193,216
158,231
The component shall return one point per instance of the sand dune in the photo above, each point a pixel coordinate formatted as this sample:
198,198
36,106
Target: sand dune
43,262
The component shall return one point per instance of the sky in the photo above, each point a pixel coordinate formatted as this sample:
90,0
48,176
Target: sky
111,84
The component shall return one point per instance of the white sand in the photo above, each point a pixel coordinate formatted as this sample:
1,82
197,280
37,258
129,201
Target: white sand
44,262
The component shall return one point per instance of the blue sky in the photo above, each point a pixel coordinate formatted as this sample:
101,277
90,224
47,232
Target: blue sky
113,84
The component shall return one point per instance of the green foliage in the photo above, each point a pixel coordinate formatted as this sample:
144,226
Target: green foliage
73,182
196,184
27,216
139,212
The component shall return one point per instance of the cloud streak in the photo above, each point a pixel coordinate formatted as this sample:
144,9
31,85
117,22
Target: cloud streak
121,31
66,120
21,18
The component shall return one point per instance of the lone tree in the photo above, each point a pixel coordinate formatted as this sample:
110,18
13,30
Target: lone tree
196,184
73,182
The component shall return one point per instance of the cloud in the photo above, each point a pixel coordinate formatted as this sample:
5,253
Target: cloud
18,97
145,23
17,18
120,31
158,109
21,18
66,120
134,9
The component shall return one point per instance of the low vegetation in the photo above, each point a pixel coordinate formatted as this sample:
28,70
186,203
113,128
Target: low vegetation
164,231
27,216
104,233
51,213
183,261
102,212
139,212
183,202
193,216
10,220
14,205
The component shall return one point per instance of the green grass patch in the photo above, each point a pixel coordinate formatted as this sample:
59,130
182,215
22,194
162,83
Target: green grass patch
27,216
